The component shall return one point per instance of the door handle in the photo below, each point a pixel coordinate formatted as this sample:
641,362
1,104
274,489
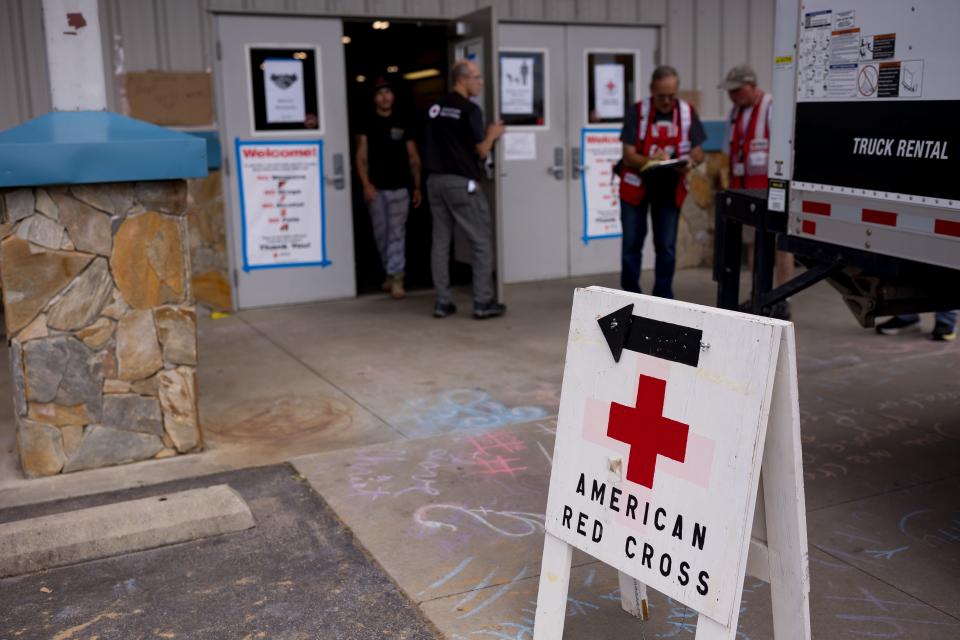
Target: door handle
489,167
576,169
557,169
338,180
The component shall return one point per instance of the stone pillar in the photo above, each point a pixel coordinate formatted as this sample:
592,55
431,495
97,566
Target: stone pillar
208,243
101,324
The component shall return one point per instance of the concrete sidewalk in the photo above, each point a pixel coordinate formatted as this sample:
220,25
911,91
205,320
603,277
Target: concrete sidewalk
432,442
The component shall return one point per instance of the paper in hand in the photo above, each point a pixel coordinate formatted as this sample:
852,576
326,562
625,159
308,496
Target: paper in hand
656,165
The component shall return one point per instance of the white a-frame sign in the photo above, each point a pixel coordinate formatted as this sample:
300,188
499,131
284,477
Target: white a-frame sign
661,443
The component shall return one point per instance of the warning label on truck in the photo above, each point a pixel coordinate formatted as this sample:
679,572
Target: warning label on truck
880,47
888,85
837,61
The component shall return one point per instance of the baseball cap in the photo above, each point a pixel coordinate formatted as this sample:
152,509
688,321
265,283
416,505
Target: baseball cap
382,83
738,76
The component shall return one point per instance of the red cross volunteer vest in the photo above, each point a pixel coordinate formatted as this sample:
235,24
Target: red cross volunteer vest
672,135
750,146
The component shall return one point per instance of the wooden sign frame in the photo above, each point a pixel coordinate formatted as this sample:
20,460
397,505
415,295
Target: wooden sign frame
778,543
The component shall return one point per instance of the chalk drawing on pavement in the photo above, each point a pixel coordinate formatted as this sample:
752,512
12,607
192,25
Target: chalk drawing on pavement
460,409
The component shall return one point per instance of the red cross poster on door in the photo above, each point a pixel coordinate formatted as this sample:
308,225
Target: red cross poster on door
660,437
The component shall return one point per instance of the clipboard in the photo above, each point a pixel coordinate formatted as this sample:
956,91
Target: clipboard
658,165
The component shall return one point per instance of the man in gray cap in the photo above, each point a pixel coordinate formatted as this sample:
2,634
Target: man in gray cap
748,146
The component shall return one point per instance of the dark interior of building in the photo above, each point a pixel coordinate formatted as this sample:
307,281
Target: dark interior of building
413,57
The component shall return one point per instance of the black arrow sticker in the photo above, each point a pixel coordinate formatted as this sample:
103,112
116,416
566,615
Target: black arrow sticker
656,338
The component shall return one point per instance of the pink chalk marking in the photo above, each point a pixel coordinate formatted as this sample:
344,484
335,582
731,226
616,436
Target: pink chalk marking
496,465
497,440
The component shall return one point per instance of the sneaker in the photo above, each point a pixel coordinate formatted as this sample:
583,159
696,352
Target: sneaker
492,309
943,332
444,309
387,284
897,325
396,287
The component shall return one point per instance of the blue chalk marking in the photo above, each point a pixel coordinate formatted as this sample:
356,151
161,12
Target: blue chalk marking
476,590
456,571
887,554
903,520
497,594
545,453
465,409
578,607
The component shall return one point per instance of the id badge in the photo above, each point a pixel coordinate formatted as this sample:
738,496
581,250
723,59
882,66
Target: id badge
739,169
758,161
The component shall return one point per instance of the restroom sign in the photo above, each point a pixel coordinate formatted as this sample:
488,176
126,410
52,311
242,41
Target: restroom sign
661,439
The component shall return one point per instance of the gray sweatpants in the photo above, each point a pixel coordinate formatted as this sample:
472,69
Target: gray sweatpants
388,214
451,203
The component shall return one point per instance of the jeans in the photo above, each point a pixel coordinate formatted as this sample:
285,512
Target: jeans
665,216
948,318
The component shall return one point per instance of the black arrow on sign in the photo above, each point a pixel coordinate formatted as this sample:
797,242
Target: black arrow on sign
656,338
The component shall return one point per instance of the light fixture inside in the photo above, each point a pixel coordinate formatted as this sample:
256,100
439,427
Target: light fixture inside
300,55
420,75
393,68
346,39
380,25
361,78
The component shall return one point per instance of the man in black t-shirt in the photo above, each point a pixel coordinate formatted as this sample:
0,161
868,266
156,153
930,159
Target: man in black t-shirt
662,127
456,142
388,165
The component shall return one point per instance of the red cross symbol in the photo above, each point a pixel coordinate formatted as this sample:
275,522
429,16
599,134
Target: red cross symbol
611,86
646,431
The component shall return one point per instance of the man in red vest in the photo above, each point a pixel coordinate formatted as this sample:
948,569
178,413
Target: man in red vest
748,146
662,127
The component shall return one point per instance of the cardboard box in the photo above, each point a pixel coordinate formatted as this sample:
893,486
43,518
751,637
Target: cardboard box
182,98
692,96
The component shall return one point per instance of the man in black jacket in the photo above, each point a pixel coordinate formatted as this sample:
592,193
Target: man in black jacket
456,142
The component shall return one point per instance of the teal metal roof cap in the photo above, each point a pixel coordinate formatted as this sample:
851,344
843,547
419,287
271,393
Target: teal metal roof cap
84,147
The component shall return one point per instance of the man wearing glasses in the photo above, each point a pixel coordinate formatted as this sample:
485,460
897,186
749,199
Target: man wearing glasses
456,143
657,130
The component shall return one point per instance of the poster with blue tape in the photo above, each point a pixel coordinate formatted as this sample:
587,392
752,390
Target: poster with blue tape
282,203
600,151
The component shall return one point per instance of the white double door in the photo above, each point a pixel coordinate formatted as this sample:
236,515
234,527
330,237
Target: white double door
549,230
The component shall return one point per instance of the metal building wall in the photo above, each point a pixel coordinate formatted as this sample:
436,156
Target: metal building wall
24,89
702,38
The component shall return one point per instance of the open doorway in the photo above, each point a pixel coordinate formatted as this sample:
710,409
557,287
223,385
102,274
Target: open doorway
412,56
